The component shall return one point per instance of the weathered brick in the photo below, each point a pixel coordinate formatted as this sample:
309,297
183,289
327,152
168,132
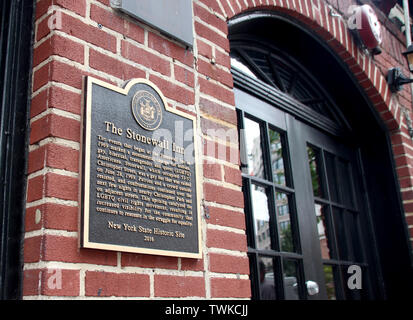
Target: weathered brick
192,264
65,100
204,49
35,188
227,9
184,75
53,125
88,33
223,195
225,217
31,249
218,111
179,286
148,261
232,175
220,151
61,283
107,18
213,5
211,35
214,90
59,72
112,66
145,58
30,219
61,157
223,263
170,49
52,216
77,6
212,171
210,18
36,159
226,240
223,132
210,70
65,249
54,156
59,46
106,284
174,91
39,103
31,280
230,288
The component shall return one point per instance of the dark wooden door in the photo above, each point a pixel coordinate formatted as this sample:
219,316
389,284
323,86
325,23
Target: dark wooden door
307,223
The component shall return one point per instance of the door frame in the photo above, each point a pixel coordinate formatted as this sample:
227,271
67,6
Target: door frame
16,45
376,159
296,136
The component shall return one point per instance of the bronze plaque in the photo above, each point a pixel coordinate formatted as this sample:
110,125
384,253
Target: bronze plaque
140,188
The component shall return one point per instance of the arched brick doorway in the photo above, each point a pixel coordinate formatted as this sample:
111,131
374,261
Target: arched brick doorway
360,92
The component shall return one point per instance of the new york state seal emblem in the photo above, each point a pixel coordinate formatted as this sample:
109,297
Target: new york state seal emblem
147,110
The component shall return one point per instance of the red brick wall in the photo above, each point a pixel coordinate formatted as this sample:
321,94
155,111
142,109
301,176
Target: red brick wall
95,40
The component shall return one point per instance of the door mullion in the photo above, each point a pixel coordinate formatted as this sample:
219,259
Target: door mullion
307,224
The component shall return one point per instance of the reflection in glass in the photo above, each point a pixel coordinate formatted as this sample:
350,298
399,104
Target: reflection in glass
314,163
344,174
254,150
353,236
329,279
237,63
284,222
325,243
340,232
261,217
290,280
332,177
267,281
277,161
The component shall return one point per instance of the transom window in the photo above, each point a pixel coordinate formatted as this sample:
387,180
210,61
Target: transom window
262,62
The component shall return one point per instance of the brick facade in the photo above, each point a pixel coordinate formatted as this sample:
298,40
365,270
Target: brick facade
95,40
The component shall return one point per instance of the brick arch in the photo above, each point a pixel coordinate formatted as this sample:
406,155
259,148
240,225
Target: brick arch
316,15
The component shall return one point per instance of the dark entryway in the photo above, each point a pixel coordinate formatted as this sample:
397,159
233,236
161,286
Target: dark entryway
16,33
322,196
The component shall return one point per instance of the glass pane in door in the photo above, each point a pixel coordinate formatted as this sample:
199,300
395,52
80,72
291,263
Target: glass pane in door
314,161
332,177
340,232
285,224
261,217
353,231
330,283
291,279
344,175
277,157
267,279
254,148
326,243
